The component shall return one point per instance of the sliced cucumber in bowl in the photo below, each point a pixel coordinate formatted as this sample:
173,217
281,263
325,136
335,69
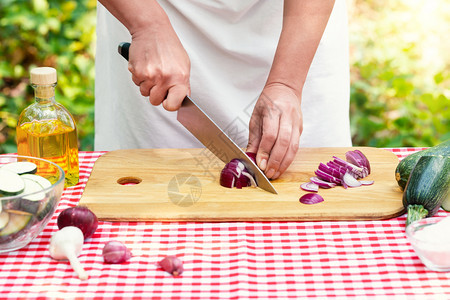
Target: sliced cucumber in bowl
30,187
4,219
30,201
21,167
26,207
10,183
44,182
15,224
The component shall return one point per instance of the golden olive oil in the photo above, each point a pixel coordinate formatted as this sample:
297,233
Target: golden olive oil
51,140
46,129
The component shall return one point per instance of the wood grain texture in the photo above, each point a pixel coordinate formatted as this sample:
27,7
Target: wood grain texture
183,185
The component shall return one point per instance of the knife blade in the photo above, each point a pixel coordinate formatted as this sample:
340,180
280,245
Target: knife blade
202,127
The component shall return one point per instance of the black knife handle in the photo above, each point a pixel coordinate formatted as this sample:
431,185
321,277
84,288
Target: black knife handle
124,49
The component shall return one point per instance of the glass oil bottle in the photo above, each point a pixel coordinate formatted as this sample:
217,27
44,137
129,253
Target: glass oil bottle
46,129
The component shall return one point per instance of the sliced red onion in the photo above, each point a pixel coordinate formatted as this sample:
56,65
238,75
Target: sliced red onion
327,177
341,172
331,171
311,198
234,174
366,182
331,164
354,170
366,162
350,180
322,183
252,156
227,178
310,187
354,158
250,178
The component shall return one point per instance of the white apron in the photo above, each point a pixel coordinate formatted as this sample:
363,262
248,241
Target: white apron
231,44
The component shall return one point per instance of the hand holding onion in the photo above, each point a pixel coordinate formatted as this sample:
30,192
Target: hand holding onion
275,128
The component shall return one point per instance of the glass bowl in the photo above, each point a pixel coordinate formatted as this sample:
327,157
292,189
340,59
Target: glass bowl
431,244
24,216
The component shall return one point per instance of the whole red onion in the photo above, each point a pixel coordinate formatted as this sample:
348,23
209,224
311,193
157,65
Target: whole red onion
81,217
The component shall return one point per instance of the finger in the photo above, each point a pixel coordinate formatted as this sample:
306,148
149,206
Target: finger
254,136
145,87
292,151
137,77
175,97
280,147
270,126
157,94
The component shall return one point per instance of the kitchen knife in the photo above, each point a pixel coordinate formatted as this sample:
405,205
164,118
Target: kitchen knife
191,116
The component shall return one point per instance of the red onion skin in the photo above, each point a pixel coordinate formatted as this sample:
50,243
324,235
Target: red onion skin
116,252
252,156
81,217
172,264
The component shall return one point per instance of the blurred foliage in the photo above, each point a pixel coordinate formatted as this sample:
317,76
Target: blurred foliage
52,33
399,68
400,72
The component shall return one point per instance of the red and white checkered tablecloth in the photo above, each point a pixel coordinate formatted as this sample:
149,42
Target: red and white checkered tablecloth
358,259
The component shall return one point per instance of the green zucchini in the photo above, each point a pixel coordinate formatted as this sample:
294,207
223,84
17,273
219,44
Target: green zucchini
10,183
21,167
16,224
446,203
406,165
427,187
4,219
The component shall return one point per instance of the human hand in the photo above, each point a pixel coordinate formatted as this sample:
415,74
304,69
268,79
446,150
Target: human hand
275,128
160,66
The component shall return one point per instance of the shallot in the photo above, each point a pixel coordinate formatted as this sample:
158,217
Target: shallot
172,264
116,252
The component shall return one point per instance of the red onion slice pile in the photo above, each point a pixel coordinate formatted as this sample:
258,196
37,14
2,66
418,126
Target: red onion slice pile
341,172
234,174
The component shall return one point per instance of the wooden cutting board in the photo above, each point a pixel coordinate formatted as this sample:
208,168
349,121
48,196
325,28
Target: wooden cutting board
183,185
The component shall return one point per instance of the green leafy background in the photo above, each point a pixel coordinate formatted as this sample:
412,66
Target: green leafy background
400,62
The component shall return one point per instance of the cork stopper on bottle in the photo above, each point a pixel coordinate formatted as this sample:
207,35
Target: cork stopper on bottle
43,76
44,80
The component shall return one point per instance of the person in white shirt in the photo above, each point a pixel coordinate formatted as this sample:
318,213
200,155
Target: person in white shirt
275,72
